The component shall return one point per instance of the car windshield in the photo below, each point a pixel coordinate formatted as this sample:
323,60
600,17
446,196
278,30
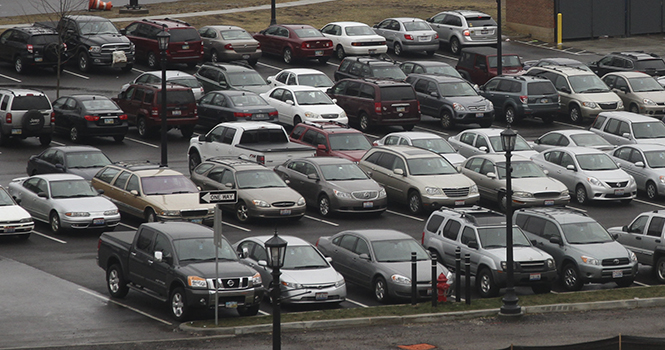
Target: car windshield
245,100
437,145
655,159
585,233
645,84
313,97
508,61
307,33
521,170
167,184
589,140
359,30
87,160
649,130
249,179
445,70
349,142
303,257
100,104
457,89
235,35
587,84
185,81
5,198
520,144
184,34
315,80
193,250
98,27
594,162
495,237
430,166
342,172
72,189
388,72
398,250
416,26
246,78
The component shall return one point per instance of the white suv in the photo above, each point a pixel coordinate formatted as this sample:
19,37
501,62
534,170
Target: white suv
25,113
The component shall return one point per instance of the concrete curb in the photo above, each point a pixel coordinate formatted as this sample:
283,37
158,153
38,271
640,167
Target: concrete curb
425,318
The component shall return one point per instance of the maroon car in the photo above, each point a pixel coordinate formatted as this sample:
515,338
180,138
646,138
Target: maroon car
295,41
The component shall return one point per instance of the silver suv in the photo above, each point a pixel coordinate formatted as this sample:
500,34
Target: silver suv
482,234
583,250
464,28
25,113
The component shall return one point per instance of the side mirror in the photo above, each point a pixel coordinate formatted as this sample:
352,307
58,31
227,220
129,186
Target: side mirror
263,263
547,172
202,138
322,147
491,175
615,236
60,167
42,194
123,31
290,102
312,176
159,256
364,256
334,100
134,192
565,89
570,167
555,240
398,171
100,191
17,200
329,259
244,253
536,141
472,244
639,164
434,94
459,168
626,135
484,149
230,185
624,228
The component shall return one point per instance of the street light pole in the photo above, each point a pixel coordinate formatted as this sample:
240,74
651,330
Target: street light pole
163,38
272,12
276,251
510,306
499,53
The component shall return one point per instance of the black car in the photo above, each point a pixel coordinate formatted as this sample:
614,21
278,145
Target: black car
628,61
517,97
382,67
428,67
234,75
80,116
32,46
225,106
84,161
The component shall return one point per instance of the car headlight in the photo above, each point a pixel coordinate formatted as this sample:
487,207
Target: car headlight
171,212
589,104
292,285
594,181
620,104
458,107
382,192
648,102
261,203
589,260
29,219
197,282
504,265
342,114
490,105
662,179
433,191
301,201
111,212
95,49
565,193
341,194
400,279
312,115
256,279
523,194
132,47
340,282
550,264
631,180
632,255
75,214
473,189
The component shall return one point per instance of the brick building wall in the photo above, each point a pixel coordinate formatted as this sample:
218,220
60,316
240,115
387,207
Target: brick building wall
535,18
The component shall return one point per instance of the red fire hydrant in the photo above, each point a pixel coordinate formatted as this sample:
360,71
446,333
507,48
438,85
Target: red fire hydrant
442,287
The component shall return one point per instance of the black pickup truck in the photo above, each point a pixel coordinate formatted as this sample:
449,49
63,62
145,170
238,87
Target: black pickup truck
175,262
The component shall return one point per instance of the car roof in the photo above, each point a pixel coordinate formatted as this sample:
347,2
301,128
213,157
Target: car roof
145,169
290,240
576,150
36,30
645,146
301,71
326,160
180,229
486,131
379,235
407,19
348,23
224,27
500,157
628,116
467,12
59,176
560,214
86,97
72,149
478,216
567,70
22,92
414,135
229,67
630,74
236,163
86,18
569,132
485,51
297,26
234,92
170,23
169,74
428,63
298,88
637,55
439,77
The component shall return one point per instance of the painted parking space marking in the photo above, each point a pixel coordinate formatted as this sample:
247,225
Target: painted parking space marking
649,203
320,220
49,237
10,78
236,226
129,226
76,74
107,299
269,66
58,143
433,131
642,284
448,57
264,313
138,70
405,215
333,64
356,302
141,142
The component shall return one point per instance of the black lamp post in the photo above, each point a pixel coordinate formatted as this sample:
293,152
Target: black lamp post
272,12
163,38
499,61
509,307
276,251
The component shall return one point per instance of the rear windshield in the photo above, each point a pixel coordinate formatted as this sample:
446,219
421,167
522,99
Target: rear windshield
416,25
359,30
650,64
23,103
246,78
480,21
307,33
99,104
248,100
263,136
177,97
389,72
397,93
507,61
184,34
235,35
188,82
541,88
44,39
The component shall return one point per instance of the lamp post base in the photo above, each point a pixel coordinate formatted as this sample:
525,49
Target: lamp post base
510,310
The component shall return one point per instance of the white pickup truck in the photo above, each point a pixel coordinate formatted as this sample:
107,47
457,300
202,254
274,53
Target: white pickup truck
261,142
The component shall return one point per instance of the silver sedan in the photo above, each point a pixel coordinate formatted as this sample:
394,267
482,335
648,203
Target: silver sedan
487,140
571,138
65,201
646,163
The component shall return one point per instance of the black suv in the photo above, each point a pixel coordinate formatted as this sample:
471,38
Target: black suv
31,46
230,76
517,97
369,67
629,61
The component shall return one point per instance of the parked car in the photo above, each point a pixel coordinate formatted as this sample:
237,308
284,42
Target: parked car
428,67
425,140
230,76
297,103
452,100
84,161
332,139
555,61
307,277
228,106
481,234
64,201
260,192
82,116
460,28
184,46
229,43
334,185
408,34
16,220
589,173
640,92
583,250
172,76
628,61
518,97
645,163
143,104
422,179
27,47
480,64
371,102
25,113
621,128
382,67
301,76
294,42
152,193
480,141
354,38
380,260
572,138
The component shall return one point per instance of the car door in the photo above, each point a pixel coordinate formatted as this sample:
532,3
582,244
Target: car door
438,24
632,161
43,164
473,169
428,103
342,254
218,142
562,173
141,257
256,252
540,231
207,111
308,182
634,235
615,132
469,235
448,234
363,269
29,196
388,29
157,276
9,45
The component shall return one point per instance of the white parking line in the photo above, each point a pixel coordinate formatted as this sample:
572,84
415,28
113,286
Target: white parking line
49,237
323,221
10,78
355,302
404,215
130,226
333,64
263,313
570,125
375,136
107,299
433,131
649,203
269,66
448,57
138,70
76,74
235,226
58,143
141,142
642,284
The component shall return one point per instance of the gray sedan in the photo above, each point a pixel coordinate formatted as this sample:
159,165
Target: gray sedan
646,163
380,260
571,138
229,43
65,201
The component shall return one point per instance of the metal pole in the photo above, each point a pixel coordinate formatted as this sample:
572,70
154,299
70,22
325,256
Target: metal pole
414,279
458,274
217,229
510,300
272,12
435,290
163,112
499,54
467,278
276,312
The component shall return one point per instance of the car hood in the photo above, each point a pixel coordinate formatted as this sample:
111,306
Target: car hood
106,39
403,268
13,213
177,201
600,251
257,89
519,254
310,276
599,97
616,175
322,109
270,195
227,269
660,141
356,185
538,184
655,96
454,158
93,204
467,100
452,181
86,173
353,156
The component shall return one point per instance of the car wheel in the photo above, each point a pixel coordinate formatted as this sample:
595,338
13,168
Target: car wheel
547,119
659,270
142,127
575,114
446,119
652,190
455,46
430,53
252,62
502,201
74,134
581,195
625,282
415,203
84,62
634,109
398,49
248,310
323,60
571,278
118,138
287,56
242,212
340,52
296,120
150,215
324,205
364,122
115,282
4,139
194,160
408,127
541,288
380,290
485,284
179,308
19,67
152,60
187,131
510,114
127,68
45,140
54,221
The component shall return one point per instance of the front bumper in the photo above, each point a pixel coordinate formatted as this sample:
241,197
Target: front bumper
344,205
525,278
468,117
16,228
522,202
93,221
436,202
205,298
603,274
276,212
307,295
107,60
611,194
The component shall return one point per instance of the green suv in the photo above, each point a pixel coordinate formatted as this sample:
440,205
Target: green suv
517,97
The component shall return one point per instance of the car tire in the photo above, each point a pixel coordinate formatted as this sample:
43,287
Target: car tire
287,56
380,288
142,127
83,62
324,205
547,119
570,278
502,202
253,61
178,302
191,64
339,52
575,115
19,65
153,62
446,120
652,190
408,127
118,138
625,282
4,139
323,60
194,160
242,212
187,131
54,222
430,53
541,288
214,56
397,48
580,194
115,282
75,135
127,68
414,202
296,120
364,122
509,114
150,215
45,140
248,310
485,284
659,270
633,108
455,46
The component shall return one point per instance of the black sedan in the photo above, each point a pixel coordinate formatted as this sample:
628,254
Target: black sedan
84,161
80,116
223,106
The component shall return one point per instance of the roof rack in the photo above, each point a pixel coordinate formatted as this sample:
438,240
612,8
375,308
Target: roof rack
147,165
549,211
231,160
322,124
176,20
479,216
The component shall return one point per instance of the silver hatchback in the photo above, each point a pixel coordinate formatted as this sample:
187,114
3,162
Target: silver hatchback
408,34
646,163
464,28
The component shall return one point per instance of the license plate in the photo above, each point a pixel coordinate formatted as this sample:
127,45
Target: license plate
185,47
429,291
245,57
231,304
10,229
99,221
544,100
197,221
480,115
549,202
285,212
534,277
617,274
38,59
109,121
459,202
176,112
321,296
318,53
423,38
260,116
371,51
484,31
368,204
400,109
618,192
17,131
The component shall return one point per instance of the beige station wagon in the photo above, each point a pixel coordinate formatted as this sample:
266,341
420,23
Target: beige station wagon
152,193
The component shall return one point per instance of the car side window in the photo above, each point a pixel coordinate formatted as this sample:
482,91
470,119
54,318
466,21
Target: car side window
281,77
356,68
309,137
550,139
598,122
287,96
138,96
107,174
623,153
451,229
31,185
216,175
421,86
361,247
418,69
163,245
229,133
561,83
467,138
638,225
297,131
656,226
339,88
345,65
291,80
399,164
492,85
468,235
550,230
612,127
367,91
636,156
474,164
391,140
121,180
348,242
434,223
404,142
3,102
219,100
353,88
374,157
386,161
553,157
621,84
567,160
535,225
145,239
481,141
487,167
133,184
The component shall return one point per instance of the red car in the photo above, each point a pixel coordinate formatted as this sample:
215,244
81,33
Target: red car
294,42
332,139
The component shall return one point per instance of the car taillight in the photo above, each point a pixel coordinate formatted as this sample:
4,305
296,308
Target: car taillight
524,99
8,118
408,36
228,46
52,117
375,143
422,239
155,111
196,112
261,159
258,46
383,43
418,106
466,33
377,107
91,118
329,44
122,117
273,113
64,47
242,115
202,53
436,36
356,44
30,48
305,45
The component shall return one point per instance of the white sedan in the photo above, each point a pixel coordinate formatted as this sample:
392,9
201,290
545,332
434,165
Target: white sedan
426,140
16,221
298,103
301,76
354,38
65,202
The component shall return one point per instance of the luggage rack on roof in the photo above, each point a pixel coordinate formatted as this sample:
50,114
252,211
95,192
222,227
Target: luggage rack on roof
479,216
231,161
147,165
551,211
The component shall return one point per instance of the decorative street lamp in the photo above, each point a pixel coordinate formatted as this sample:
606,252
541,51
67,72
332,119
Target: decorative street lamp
272,12
499,57
276,251
509,307
163,38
